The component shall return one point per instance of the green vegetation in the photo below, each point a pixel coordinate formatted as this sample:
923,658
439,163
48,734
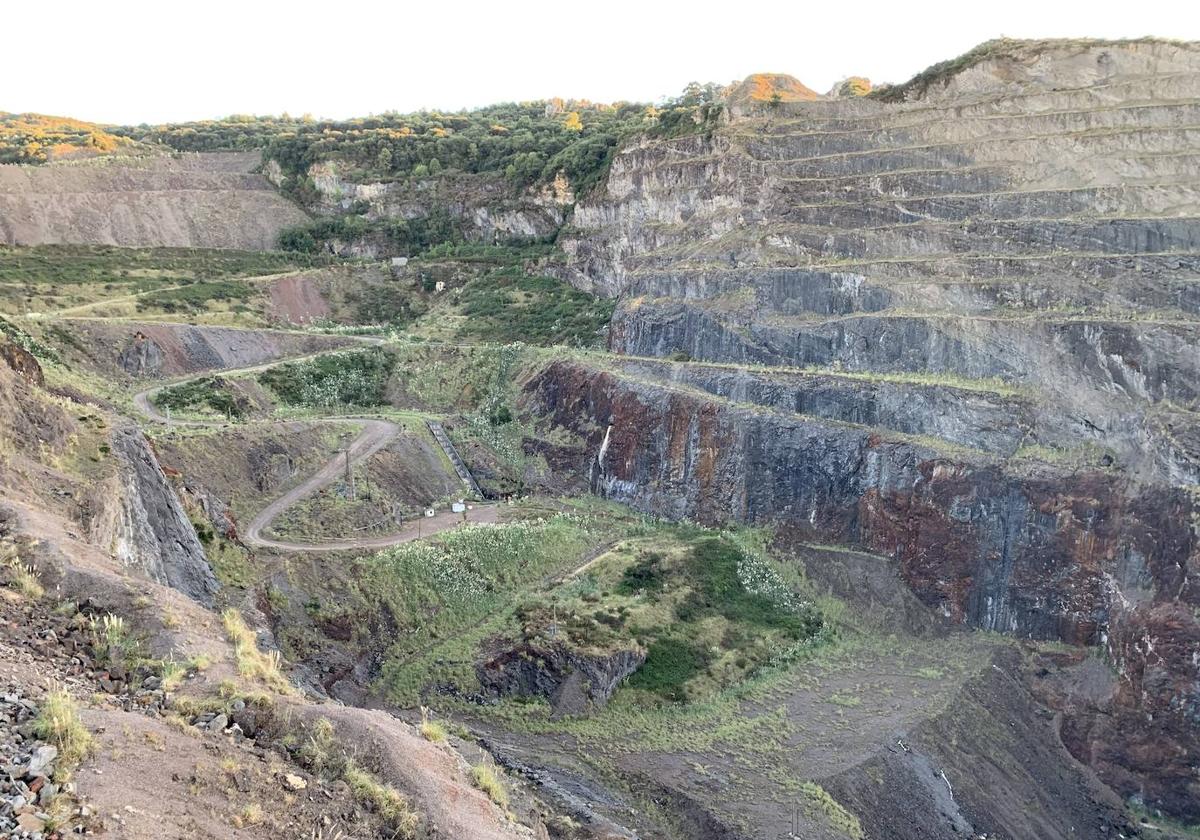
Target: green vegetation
210,394
322,754
442,588
37,138
102,264
526,143
352,378
27,342
20,576
184,280
508,305
488,780
58,723
407,236
193,297
708,612
839,819
252,662
383,799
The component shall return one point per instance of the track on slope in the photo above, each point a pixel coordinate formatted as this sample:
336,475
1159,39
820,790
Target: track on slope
376,434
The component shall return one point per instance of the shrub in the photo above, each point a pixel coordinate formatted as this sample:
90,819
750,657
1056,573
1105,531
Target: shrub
210,393
645,575
353,378
670,662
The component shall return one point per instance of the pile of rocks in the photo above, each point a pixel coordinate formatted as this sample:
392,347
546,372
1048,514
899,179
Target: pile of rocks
27,786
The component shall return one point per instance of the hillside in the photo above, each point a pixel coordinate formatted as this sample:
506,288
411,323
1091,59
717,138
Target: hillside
37,138
194,201
757,464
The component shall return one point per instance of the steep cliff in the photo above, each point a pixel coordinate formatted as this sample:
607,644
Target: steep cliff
955,322
155,534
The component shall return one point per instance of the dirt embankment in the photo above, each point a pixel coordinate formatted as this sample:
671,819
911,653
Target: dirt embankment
151,350
196,201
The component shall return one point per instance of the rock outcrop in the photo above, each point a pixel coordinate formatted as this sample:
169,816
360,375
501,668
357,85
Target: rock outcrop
574,681
155,534
955,322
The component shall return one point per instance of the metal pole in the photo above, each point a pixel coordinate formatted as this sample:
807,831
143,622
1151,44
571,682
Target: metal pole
349,474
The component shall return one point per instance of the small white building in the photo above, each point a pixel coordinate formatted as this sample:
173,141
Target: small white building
429,512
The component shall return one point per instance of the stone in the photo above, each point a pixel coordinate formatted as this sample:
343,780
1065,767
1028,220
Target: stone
293,782
42,760
31,823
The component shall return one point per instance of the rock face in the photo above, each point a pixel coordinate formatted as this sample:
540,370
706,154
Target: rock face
22,361
956,322
155,534
573,681
484,209
210,200
142,356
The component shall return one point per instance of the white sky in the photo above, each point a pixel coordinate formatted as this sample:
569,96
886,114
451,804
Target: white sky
172,60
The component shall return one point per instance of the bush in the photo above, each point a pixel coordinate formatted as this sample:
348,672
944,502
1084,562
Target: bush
353,378
645,575
209,393
670,662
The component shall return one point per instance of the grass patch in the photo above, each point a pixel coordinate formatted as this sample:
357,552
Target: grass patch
431,730
488,780
384,800
193,297
670,663
21,576
58,723
252,662
64,265
839,819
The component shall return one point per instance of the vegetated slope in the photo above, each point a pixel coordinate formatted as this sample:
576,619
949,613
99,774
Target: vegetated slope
197,201
38,138
1016,233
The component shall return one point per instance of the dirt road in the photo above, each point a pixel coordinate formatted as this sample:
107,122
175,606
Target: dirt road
376,435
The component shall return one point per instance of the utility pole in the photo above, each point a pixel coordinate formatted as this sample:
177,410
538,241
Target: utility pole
349,474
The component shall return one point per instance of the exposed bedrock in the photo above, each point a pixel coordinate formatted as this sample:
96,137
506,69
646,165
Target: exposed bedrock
154,533
980,419
1088,557
573,681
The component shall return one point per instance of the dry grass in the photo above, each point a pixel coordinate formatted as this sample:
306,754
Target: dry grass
488,780
252,662
58,723
385,800
251,814
22,577
172,675
431,730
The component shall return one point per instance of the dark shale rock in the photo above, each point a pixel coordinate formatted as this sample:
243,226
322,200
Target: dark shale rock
156,536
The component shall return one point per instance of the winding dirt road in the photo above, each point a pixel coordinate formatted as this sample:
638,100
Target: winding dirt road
375,435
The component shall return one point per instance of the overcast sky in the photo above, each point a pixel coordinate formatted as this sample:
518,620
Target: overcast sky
160,61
